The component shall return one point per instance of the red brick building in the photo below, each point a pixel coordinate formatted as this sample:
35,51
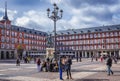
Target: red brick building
12,37
84,42
90,41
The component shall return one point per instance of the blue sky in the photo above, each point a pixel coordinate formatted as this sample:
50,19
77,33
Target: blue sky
77,13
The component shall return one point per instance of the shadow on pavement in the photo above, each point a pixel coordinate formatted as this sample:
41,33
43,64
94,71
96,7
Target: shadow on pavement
6,80
81,70
92,80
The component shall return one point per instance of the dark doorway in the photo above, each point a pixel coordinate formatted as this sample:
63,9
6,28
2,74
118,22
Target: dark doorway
2,54
7,55
87,54
91,54
12,54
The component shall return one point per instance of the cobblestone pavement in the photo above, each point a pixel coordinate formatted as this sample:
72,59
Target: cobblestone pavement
81,71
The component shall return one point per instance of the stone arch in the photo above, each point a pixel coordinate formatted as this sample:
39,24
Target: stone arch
7,55
2,54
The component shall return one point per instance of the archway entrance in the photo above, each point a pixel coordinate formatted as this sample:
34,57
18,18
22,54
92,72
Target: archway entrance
7,55
2,54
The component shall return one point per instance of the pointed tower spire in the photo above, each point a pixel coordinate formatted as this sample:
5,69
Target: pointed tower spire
5,16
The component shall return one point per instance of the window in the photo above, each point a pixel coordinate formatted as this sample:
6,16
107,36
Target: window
111,34
7,40
80,37
91,35
16,40
107,34
107,40
15,34
107,46
3,39
116,39
13,46
72,37
103,35
87,36
95,35
2,32
95,46
95,41
7,32
13,40
20,34
99,35
2,45
20,41
7,46
115,34
83,36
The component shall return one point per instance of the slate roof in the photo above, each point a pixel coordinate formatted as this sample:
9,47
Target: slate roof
26,30
89,30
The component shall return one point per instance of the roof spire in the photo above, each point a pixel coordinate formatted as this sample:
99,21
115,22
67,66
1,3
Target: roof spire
5,16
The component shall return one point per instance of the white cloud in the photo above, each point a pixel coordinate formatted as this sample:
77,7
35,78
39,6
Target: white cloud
56,1
87,16
11,13
35,19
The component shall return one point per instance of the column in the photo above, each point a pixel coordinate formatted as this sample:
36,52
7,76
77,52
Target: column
4,54
89,54
119,53
110,53
0,54
85,54
75,55
15,54
82,54
114,53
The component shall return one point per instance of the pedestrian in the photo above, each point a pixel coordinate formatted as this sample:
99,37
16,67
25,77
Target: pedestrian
92,58
18,62
109,65
60,68
38,64
68,64
101,58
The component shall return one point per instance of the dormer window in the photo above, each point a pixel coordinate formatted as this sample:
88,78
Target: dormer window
30,32
81,31
18,29
25,31
100,29
89,31
109,29
68,32
117,28
96,30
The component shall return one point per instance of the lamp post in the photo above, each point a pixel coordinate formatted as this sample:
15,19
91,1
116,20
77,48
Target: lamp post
55,16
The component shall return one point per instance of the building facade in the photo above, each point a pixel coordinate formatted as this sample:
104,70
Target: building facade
86,42
90,42
13,38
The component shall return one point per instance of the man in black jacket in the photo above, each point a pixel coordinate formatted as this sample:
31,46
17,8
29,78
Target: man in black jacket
109,64
68,67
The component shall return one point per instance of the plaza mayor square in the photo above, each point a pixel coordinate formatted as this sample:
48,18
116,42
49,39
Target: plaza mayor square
59,40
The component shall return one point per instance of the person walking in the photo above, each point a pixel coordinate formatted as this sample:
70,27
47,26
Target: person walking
38,64
109,65
18,62
60,68
68,67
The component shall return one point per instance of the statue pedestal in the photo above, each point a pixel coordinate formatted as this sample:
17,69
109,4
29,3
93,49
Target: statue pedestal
50,53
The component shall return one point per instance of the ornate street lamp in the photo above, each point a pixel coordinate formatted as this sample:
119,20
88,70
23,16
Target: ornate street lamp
55,16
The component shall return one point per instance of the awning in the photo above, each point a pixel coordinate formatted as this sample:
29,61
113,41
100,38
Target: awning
37,54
